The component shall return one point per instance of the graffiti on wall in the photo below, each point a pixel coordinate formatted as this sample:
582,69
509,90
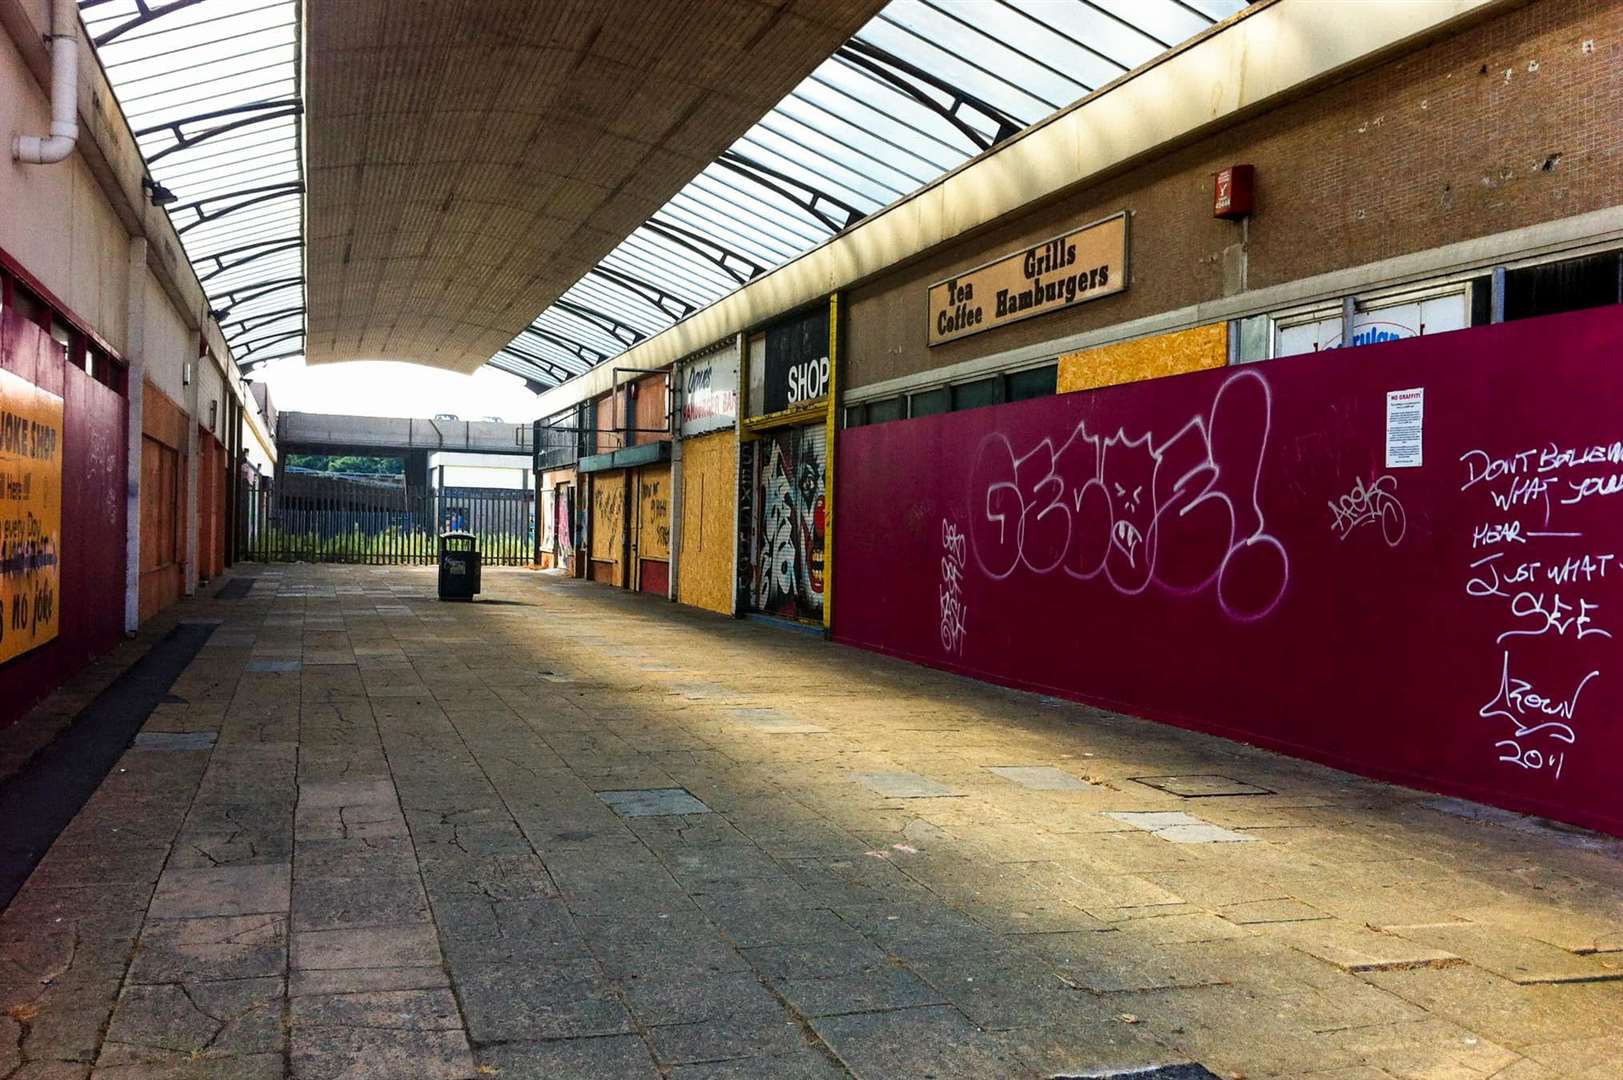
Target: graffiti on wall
787,571
30,514
1552,626
1367,503
654,536
953,611
608,518
1177,511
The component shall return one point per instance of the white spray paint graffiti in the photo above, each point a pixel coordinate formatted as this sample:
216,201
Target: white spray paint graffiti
1546,599
953,611
1377,501
1180,512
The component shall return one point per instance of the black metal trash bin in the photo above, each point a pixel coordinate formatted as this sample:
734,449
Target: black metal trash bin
459,566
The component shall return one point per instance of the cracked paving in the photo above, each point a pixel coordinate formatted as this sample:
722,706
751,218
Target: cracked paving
583,833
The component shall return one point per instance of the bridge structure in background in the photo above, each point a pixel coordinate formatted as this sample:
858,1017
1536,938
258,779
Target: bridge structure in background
408,438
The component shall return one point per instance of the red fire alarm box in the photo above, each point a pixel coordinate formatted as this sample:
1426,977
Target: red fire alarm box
1236,192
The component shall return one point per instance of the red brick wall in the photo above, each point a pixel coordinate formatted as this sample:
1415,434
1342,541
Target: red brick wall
1444,144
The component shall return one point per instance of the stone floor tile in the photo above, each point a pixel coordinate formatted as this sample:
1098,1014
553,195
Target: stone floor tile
219,947
1519,959
342,1053
247,889
366,947
653,801
178,1021
335,903
557,1000
930,1041
1040,777
904,785
619,1056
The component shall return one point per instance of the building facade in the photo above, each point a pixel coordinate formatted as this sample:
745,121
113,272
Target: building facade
1292,426
119,499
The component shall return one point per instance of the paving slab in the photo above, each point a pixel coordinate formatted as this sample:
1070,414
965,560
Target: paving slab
653,802
1040,777
904,785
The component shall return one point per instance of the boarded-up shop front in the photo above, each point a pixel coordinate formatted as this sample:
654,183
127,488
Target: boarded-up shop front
163,501
653,532
608,526
783,469
708,412
557,519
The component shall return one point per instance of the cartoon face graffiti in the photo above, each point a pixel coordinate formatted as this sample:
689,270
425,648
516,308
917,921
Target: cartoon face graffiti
788,576
1129,474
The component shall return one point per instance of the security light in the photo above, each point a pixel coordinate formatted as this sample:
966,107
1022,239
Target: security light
160,195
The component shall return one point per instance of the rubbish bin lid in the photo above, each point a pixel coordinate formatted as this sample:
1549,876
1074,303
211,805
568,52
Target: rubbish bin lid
457,534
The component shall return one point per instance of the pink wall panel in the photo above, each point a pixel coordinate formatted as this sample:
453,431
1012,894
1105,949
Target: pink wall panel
1228,550
92,597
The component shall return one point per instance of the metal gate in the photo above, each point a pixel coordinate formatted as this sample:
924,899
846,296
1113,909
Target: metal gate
380,524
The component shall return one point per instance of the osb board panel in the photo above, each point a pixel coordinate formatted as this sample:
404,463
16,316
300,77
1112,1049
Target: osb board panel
651,408
709,499
161,418
609,522
1328,195
1145,358
654,512
160,527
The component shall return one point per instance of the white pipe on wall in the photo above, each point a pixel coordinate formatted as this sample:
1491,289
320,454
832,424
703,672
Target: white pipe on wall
64,37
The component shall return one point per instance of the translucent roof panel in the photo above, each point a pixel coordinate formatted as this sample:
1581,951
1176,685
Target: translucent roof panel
212,90
922,88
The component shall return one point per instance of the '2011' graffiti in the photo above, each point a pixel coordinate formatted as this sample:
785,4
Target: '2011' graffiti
1179,512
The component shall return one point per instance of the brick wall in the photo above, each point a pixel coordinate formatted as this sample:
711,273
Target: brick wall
1512,122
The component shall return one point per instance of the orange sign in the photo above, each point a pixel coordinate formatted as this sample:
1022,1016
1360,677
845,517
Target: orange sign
30,514
1084,264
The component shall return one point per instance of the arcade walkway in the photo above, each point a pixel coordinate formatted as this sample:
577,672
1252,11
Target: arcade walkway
570,832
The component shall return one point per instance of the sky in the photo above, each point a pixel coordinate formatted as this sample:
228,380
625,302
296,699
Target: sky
379,388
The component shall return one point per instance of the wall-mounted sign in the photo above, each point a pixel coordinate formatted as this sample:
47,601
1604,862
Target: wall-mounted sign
1084,264
709,388
30,515
794,363
1234,193
1405,424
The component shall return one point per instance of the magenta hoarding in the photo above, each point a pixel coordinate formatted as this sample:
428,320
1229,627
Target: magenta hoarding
1253,551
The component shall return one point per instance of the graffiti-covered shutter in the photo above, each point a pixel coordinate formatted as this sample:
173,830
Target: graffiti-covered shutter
786,501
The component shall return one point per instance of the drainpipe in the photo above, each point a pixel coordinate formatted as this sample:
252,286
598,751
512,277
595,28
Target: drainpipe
64,38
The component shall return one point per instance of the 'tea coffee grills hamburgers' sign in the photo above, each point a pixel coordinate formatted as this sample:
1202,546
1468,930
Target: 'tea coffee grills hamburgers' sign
1084,264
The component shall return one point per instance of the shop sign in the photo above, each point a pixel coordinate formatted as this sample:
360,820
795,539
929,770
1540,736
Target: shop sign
30,515
709,387
1084,264
796,362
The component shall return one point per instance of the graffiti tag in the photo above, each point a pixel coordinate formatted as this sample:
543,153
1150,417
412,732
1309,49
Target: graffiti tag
953,610
1376,502
1179,512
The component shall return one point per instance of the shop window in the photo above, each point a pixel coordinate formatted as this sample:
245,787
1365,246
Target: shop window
929,402
25,303
1391,318
973,395
856,415
1568,285
880,412
1032,383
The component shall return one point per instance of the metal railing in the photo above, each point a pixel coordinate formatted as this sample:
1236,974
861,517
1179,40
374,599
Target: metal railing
385,528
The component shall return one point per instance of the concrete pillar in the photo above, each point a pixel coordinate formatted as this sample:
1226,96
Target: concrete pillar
136,372
416,463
